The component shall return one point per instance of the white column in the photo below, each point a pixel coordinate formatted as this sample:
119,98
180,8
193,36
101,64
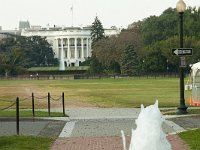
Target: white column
62,61
68,49
62,50
87,47
76,57
56,48
82,49
90,48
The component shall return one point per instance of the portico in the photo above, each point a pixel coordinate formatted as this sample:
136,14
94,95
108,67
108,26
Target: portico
75,49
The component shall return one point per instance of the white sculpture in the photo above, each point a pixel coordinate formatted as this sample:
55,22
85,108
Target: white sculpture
148,134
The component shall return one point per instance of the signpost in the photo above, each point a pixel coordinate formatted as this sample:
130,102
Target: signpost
182,62
182,51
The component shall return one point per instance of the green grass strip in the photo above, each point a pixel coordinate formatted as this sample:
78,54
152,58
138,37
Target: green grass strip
24,113
25,143
191,138
174,111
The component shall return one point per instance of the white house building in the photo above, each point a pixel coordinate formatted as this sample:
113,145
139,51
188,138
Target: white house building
70,44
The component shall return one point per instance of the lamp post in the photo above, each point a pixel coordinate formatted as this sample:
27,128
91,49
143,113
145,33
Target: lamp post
143,67
182,109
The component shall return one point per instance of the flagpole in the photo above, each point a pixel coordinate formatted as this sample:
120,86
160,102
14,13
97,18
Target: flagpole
72,15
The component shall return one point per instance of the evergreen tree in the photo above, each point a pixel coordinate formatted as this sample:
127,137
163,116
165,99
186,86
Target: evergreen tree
129,61
97,31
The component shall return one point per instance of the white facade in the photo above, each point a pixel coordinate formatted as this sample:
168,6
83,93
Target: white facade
72,44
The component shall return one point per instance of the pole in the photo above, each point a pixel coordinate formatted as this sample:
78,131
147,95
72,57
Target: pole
72,9
182,109
63,103
49,103
33,105
17,115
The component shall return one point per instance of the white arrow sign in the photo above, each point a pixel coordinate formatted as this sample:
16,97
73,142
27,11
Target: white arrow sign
181,51
176,52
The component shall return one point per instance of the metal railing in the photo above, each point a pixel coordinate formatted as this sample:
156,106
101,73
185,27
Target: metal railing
16,103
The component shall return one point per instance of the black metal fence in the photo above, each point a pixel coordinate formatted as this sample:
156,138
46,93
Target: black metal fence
85,76
140,76
16,103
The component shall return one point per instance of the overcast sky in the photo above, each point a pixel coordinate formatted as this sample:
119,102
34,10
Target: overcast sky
57,12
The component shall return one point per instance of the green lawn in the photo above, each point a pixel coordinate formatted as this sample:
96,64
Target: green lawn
40,143
24,113
191,138
120,92
25,143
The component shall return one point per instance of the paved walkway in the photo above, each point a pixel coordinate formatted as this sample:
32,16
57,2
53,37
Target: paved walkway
97,128
106,143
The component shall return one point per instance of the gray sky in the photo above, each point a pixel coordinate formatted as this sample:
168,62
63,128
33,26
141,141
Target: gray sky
57,12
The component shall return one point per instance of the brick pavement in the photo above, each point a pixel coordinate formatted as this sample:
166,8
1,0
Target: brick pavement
106,143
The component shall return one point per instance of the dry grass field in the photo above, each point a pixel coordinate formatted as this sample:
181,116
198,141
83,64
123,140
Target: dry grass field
120,92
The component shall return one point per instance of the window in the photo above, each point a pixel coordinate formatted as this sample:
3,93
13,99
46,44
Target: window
78,42
72,42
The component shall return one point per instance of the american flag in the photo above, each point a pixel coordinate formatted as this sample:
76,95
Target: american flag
71,8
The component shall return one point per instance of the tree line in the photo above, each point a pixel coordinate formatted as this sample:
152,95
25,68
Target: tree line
145,46
18,53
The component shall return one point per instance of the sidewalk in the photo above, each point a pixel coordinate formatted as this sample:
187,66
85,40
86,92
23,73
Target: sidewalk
96,128
106,143
99,129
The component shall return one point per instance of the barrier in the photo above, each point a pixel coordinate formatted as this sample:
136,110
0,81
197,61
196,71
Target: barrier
16,103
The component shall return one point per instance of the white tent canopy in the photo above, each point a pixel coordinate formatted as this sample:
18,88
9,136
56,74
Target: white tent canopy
195,68
195,74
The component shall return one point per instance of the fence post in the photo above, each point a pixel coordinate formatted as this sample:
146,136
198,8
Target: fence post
33,105
63,103
17,115
49,103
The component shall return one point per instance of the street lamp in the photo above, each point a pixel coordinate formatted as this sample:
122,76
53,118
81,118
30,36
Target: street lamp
143,65
182,109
